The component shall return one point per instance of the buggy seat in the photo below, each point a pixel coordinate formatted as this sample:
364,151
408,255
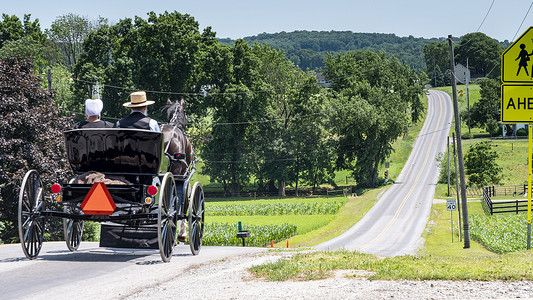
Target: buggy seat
116,151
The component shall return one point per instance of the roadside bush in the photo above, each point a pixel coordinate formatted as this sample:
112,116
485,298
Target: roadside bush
31,138
223,234
480,165
442,160
521,132
91,231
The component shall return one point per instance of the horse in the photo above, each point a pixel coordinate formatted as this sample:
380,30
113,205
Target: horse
177,145
178,148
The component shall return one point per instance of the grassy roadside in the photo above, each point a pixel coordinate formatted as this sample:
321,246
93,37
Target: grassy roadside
439,260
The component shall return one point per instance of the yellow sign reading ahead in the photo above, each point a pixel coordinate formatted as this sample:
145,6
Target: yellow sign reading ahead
517,103
517,60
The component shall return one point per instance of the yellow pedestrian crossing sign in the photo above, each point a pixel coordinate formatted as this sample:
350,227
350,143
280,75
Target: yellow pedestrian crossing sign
517,103
517,65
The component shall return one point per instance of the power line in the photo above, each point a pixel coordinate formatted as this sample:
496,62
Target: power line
527,13
485,16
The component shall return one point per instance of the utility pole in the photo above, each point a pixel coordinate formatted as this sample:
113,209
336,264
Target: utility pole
466,230
467,96
448,145
457,186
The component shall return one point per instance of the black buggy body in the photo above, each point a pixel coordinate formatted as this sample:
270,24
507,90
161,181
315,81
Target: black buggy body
118,183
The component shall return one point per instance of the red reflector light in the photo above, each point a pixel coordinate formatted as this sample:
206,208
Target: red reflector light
152,190
56,188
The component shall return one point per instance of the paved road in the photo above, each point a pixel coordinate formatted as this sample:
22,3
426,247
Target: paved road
98,273
396,222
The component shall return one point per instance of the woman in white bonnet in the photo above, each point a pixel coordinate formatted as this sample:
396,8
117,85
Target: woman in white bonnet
93,111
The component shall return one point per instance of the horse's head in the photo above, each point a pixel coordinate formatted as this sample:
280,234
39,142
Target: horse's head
176,113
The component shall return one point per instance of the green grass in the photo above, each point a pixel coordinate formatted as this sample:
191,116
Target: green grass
501,233
224,234
513,160
274,208
304,224
441,259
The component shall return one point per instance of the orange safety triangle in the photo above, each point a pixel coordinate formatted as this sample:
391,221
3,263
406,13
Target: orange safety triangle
98,201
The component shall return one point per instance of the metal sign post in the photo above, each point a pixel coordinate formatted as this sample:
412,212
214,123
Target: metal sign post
516,100
530,165
451,206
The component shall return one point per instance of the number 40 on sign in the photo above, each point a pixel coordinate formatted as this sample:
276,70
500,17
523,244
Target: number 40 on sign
451,205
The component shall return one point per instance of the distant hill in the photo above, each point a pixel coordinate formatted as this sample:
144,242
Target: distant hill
308,49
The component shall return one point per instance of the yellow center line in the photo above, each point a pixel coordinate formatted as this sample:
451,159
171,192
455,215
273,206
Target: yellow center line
404,201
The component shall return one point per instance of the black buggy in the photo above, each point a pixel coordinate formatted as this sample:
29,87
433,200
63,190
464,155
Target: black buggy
140,208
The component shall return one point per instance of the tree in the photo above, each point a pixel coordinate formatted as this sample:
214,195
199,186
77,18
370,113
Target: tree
483,54
437,59
12,29
374,100
486,112
31,137
235,107
480,165
291,144
68,33
159,54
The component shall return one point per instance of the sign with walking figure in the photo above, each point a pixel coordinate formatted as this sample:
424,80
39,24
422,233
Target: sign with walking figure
516,66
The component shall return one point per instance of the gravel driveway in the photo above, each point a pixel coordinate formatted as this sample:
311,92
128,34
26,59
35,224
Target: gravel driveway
229,279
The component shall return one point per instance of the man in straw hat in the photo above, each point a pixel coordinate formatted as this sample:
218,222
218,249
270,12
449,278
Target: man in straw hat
138,117
93,110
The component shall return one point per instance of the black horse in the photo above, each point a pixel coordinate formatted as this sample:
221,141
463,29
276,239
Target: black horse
177,145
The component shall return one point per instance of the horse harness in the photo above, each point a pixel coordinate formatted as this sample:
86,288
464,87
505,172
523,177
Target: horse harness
176,157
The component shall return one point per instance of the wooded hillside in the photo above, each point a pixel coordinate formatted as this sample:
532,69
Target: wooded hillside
308,49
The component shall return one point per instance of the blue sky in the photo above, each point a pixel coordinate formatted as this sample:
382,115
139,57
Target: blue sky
240,18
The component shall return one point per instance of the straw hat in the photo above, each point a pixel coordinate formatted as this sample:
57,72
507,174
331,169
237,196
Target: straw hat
138,99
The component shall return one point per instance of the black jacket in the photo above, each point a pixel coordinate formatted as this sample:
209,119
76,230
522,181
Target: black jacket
97,124
135,120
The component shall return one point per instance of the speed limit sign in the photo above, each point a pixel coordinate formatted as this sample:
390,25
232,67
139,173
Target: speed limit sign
450,204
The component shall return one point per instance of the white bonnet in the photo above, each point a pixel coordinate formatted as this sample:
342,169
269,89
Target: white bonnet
93,107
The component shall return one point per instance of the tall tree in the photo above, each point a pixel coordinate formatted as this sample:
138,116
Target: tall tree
235,107
31,137
437,59
293,109
158,54
483,54
374,100
486,112
68,33
480,165
13,29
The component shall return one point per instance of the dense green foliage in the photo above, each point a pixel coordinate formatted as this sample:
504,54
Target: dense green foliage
374,101
501,233
481,166
486,112
309,49
482,52
223,234
274,209
31,137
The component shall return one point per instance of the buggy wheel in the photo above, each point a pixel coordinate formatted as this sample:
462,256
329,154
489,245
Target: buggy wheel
30,221
73,230
196,218
167,217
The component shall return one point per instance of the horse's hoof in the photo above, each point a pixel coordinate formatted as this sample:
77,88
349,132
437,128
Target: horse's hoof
182,238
